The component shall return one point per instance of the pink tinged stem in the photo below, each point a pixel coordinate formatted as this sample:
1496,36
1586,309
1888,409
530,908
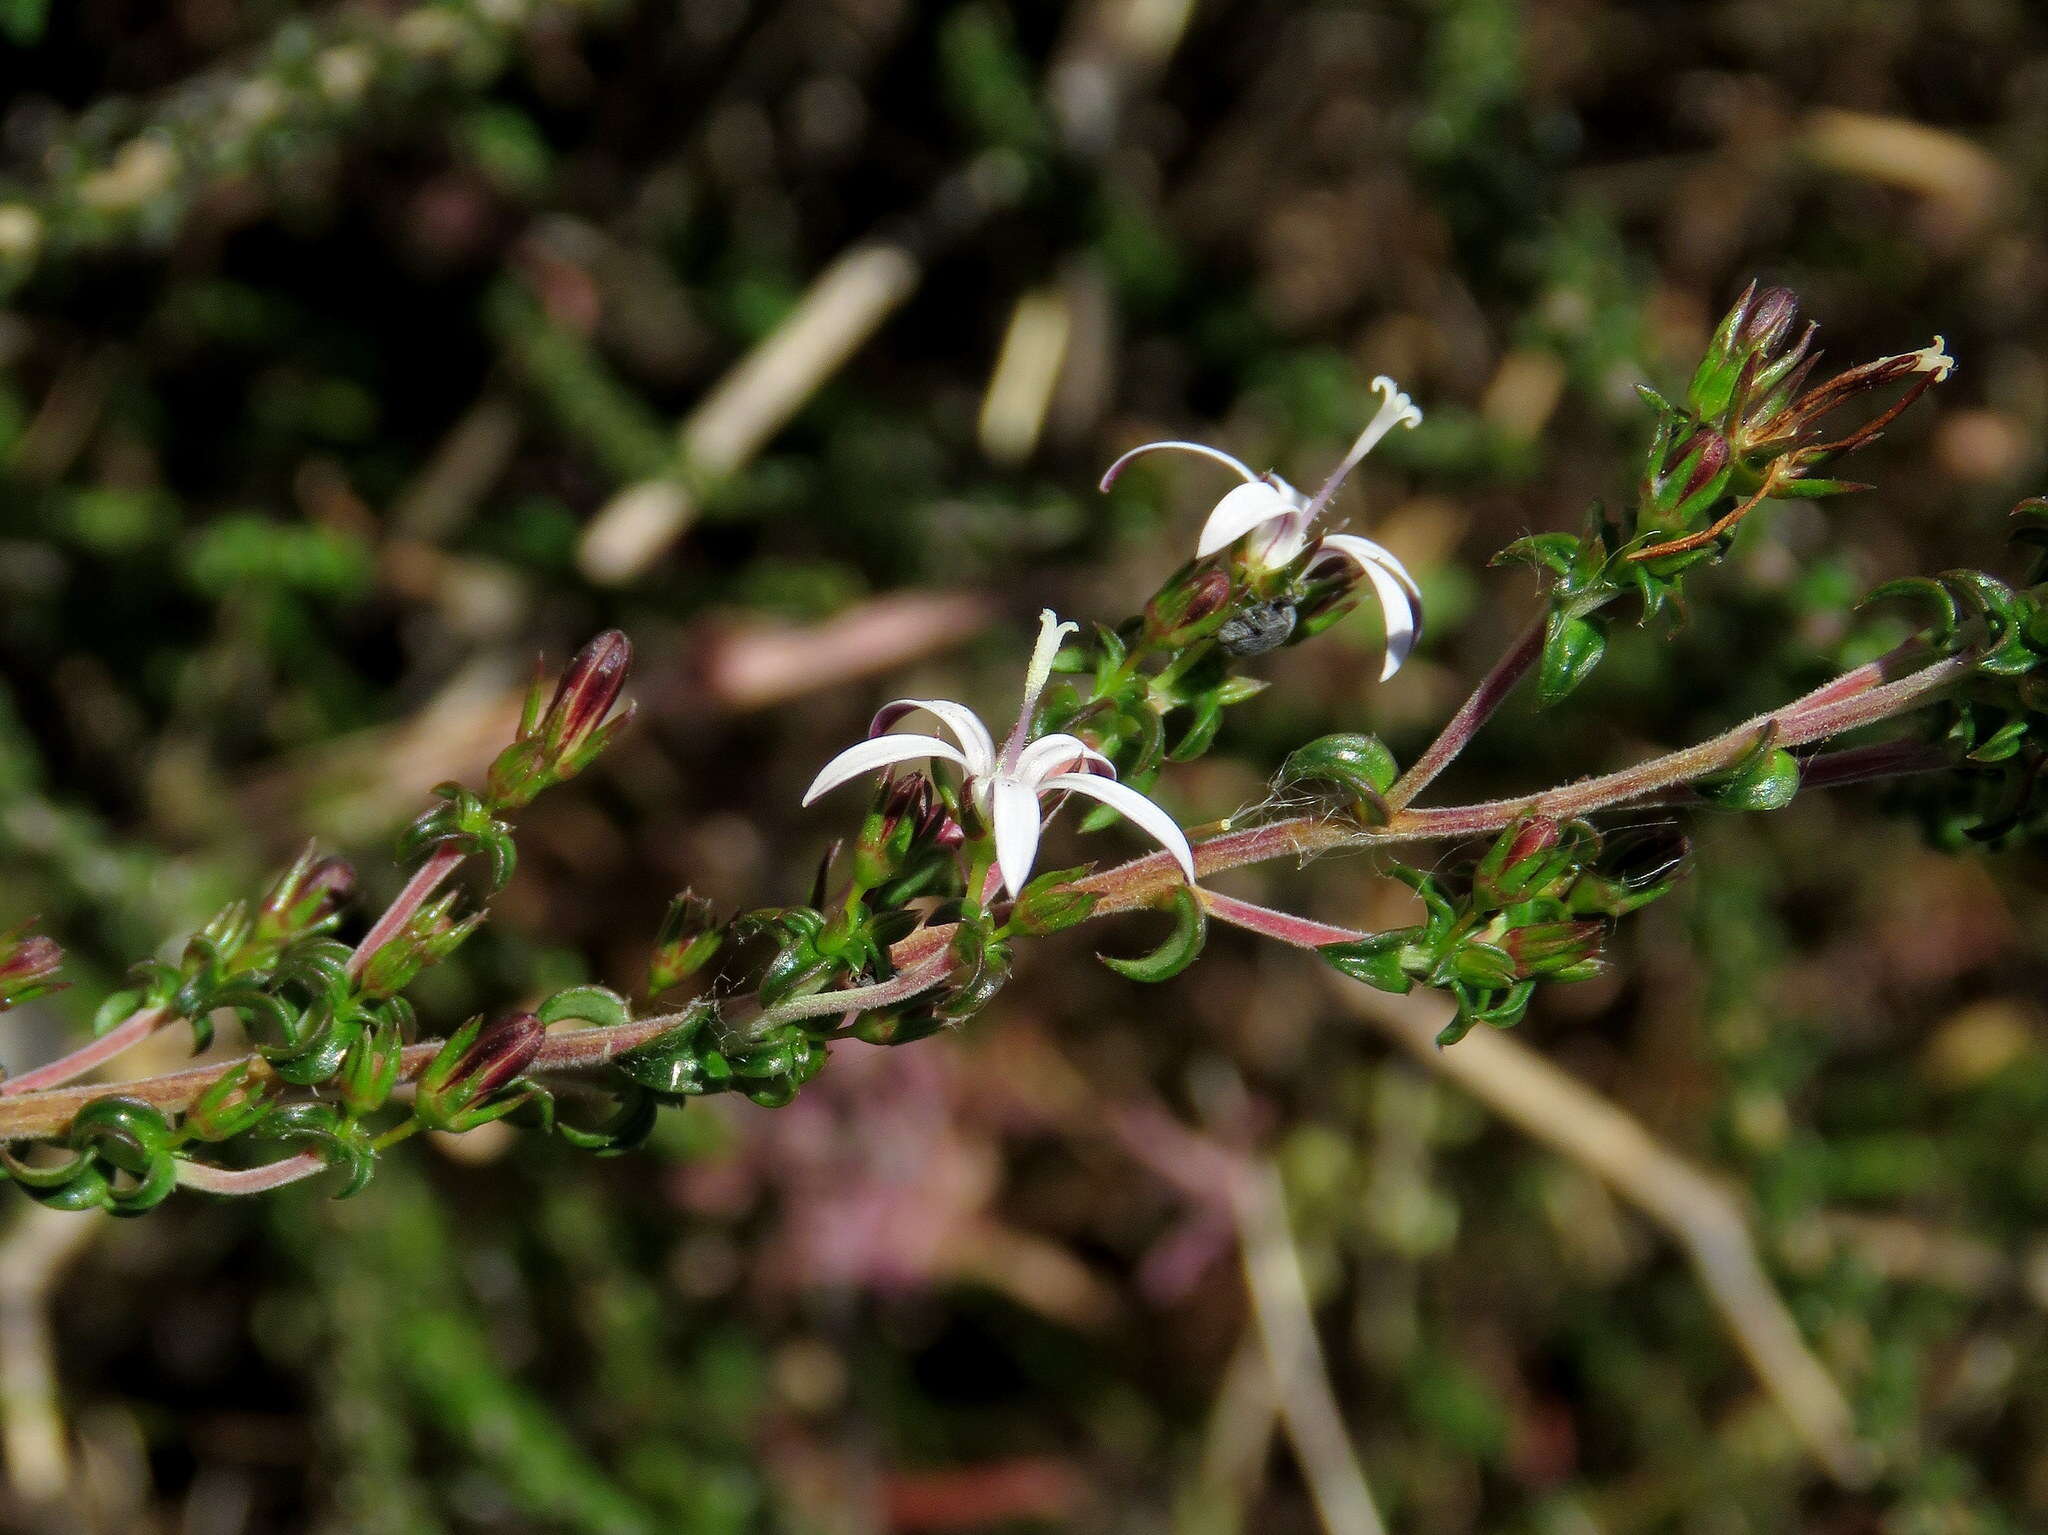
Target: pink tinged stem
253,1180
430,876
922,958
1492,692
139,1025
132,1030
1301,932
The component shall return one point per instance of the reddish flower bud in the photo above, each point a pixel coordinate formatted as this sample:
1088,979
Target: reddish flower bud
1770,315
28,966
1562,951
304,899
557,742
505,1047
587,691
478,1061
1184,604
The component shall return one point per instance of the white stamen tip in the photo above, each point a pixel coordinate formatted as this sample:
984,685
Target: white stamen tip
1396,409
1051,630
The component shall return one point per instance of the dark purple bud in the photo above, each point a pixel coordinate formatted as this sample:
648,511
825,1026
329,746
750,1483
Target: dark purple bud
1770,316
1208,596
1191,599
556,743
587,691
1707,452
503,1049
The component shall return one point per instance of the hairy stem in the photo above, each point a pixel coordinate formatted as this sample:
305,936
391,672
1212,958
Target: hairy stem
1491,693
428,878
133,1029
250,1180
143,1022
1857,698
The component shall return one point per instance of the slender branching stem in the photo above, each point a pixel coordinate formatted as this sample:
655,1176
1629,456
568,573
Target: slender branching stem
1491,693
208,1179
133,1029
145,1021
1868,694
428,878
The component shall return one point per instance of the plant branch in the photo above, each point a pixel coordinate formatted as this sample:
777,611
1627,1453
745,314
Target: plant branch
1857,698
428,878
132,1030
1492,692
143,1022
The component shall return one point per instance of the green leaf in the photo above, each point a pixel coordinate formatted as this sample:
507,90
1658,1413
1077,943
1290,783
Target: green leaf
1190,932
1377,960
594,1005
1767,783
1941,610
678,1062
1572,647
1050,904
1554,552
1360,766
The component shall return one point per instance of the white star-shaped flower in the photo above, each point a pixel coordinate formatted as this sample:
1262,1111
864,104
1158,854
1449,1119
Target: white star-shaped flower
1275,521
1007,786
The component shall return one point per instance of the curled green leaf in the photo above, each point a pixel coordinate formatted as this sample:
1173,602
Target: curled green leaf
1181,948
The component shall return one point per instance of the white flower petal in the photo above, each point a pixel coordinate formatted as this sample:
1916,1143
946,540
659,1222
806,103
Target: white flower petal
966,725
1238,513
1014,810
1059,753
1133,807
1366,552
1200,450
880,752
1400,600
1401,618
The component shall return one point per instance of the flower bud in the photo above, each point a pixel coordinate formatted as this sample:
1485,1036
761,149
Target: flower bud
1744,362
235,1102
1559,951
1687,480
430,936
1050,904
901,807
690,935
556,743
1634,869
478,1061
587,691
1179,610
305,899
1533,859
29,963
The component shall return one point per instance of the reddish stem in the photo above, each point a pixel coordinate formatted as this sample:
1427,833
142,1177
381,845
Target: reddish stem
429,877
133,1029
1492,692
251,1180
1855,699
1301,932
